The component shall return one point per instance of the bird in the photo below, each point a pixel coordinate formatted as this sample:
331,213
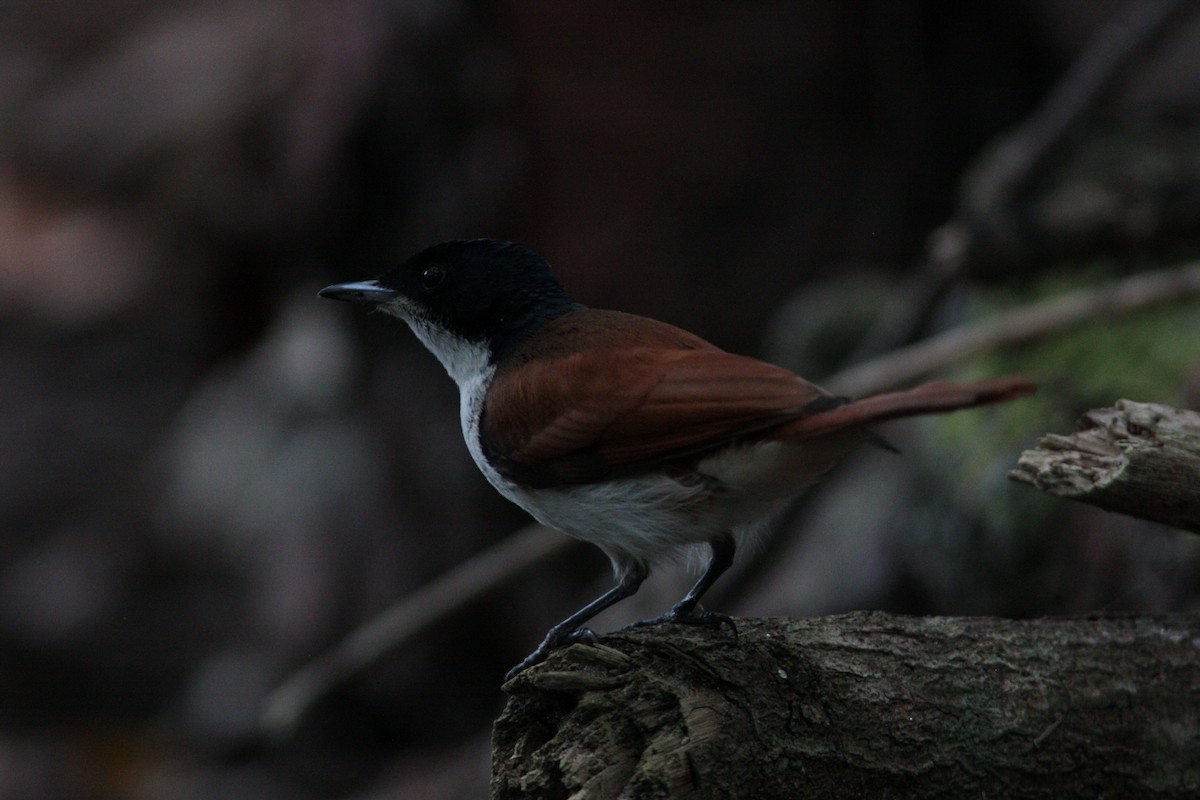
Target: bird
632,434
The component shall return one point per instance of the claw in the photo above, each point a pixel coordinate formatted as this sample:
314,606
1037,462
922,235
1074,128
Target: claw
537,656
580,636
689,615
569,631
555,639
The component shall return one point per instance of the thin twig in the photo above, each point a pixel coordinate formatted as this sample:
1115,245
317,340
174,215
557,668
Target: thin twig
417,613
1037,321
1013,165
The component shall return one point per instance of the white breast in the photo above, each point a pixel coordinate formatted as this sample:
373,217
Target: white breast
647,519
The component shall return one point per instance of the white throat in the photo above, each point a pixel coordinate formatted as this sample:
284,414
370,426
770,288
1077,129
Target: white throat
469,364
464,360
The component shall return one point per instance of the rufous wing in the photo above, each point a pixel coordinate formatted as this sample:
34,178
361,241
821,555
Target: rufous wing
580,416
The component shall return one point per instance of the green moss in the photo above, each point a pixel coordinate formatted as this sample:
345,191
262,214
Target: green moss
1148,357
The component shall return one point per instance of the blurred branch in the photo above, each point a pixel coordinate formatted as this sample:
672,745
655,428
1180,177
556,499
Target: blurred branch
1014,164
443,597
1140,459
1019,325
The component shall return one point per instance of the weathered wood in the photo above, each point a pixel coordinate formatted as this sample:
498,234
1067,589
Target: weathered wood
1141,459
862,705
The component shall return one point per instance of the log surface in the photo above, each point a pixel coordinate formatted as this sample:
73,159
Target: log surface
863,704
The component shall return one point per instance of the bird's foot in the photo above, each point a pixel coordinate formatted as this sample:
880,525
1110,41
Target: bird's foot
688,614
555,639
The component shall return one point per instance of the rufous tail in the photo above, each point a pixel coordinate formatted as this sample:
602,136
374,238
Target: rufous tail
929,398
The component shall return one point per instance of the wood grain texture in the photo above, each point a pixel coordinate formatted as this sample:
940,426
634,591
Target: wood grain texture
862,705
1141,459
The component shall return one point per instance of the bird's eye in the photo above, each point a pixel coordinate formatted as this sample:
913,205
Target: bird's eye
433,277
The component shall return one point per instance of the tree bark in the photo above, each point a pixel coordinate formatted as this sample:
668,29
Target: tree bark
1141,459
862,705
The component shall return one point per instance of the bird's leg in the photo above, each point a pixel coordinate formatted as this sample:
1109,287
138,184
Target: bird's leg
568,630
685,610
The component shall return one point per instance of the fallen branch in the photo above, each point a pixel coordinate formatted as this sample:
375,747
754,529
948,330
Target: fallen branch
862,705
1140,459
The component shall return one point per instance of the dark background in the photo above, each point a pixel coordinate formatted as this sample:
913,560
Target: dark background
209,476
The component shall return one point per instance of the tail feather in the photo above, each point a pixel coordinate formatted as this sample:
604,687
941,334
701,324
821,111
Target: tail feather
929,398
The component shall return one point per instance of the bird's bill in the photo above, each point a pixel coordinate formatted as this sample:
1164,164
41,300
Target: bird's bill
359,292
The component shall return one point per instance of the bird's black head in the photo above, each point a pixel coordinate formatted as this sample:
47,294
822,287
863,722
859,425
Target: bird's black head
480,291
